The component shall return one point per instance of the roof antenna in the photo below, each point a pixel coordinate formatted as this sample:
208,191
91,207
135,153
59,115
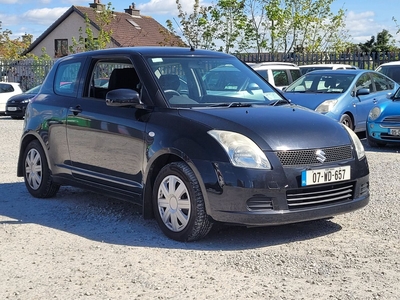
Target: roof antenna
191,46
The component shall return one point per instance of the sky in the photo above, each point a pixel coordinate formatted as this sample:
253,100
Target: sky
364,18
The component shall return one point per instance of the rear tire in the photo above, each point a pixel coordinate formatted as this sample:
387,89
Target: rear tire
37,174
178,204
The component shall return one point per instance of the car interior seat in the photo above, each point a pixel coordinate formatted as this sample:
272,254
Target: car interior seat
125,78
169,82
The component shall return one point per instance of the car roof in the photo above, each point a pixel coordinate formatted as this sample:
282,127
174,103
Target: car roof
271,65
153,50
326,65
391,63
341,71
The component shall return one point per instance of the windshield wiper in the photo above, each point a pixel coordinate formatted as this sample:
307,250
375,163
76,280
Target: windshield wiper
232,104
279,102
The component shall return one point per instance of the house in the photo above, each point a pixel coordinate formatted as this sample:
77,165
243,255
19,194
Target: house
129,29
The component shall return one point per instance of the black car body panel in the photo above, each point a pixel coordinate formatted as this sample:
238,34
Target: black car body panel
119,147
16,105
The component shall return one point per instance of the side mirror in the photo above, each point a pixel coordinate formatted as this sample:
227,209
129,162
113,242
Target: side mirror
361,92
122,97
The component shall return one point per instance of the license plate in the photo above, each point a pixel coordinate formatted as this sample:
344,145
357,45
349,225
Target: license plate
11,108
320,176
394,131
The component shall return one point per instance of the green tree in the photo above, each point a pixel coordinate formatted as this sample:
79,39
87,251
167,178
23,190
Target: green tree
383,42
12,48
197,27
231,22
103,19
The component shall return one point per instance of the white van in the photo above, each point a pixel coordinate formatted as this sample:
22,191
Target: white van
279,74
308,68
391,70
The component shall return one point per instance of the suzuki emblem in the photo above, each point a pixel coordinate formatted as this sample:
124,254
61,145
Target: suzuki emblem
320,155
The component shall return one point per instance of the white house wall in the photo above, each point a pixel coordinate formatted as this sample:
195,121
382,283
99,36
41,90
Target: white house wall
66,30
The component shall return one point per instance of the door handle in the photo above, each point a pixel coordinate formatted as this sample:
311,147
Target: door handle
76,110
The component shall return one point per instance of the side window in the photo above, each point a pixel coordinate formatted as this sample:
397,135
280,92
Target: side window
263,73
364,82
66,78
382,83
6,88
110,75
296,74
280,77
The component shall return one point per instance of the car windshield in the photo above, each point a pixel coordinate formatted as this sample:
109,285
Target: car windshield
201,81
321,83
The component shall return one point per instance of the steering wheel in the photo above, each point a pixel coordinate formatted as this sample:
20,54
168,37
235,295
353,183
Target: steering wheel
171,93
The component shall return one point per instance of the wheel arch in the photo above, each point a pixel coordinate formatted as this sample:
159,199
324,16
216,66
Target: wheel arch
351,115
24,143
154,168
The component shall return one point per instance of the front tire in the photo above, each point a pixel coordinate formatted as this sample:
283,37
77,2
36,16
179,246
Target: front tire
346,120
179,204
36,170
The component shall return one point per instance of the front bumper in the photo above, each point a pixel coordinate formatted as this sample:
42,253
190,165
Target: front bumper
15,111
380,132
274,197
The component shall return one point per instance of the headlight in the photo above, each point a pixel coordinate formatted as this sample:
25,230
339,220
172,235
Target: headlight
357,143
25,101
374,113
242,151
326,106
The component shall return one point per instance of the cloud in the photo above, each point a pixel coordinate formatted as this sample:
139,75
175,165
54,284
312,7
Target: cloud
43,16
362,26
166,7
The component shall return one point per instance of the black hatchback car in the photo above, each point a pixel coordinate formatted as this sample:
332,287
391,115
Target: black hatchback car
194,136
16,105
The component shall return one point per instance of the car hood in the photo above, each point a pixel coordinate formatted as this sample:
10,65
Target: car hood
275,127
20,97
311,100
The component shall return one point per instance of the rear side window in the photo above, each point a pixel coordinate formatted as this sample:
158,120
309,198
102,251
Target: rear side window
296,74
6,88
66,78
280,77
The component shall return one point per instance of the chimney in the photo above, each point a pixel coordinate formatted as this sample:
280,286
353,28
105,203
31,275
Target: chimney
96,5
132,10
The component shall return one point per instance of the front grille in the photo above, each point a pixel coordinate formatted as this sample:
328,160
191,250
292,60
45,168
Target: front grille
389,137
309,157
319,196
391,119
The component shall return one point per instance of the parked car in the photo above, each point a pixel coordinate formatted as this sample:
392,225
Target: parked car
16,105
7,89
189,159
279,74
344,95
308,68
390,69
383,123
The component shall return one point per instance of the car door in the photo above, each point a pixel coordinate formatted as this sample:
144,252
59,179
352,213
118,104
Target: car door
106,143
363,102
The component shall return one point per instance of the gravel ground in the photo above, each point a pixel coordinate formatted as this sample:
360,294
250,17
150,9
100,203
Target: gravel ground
81,245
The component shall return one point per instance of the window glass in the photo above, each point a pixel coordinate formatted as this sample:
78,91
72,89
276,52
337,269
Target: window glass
203,81
364,82
296,74
60,47
6,88
382,83
66,78
280,77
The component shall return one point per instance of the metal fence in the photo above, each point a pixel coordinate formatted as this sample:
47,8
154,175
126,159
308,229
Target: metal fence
31,72
368,61
28,72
